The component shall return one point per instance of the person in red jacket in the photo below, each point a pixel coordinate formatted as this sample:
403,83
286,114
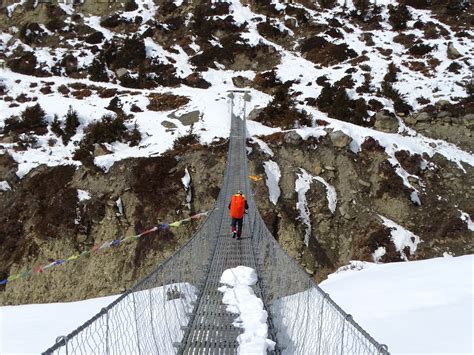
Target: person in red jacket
237,206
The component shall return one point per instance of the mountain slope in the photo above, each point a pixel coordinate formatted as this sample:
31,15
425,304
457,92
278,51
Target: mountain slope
370,103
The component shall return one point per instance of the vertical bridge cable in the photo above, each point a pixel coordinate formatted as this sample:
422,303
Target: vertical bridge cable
178,309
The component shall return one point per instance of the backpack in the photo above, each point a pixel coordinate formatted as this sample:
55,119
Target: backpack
237,206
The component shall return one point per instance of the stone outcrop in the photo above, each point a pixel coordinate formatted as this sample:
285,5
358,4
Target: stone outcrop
386,123
42,219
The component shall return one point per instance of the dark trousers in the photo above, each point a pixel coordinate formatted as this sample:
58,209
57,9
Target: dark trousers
237,225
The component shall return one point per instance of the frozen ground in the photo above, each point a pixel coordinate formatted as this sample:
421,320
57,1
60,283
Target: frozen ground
416,307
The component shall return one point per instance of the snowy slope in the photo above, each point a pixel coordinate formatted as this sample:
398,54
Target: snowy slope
432,316
420,306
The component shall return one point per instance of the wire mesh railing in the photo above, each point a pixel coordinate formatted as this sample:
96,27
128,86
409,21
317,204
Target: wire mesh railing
156,315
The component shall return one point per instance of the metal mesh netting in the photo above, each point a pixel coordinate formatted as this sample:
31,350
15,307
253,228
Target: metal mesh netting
177,309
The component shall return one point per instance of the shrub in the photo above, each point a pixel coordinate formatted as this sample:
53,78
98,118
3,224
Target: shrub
112,21
327,4
417,4
134,138
454,67
32,119
84,154
55,24
98,72
115,105
398,16
56,127
186,140
131,54
26,141
131,5
267,29
420,49
281,112
70,126
391,75
398,102
166,102
95,38
31,33
335,101
167,8
25,64
108,130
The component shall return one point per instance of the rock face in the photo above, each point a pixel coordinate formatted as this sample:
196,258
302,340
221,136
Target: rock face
366,185
445,123
42,219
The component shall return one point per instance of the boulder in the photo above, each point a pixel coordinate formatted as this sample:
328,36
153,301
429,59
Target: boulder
452,52
386,123
317,169
241,81
168,124
443,114
339,139
292,138
469,120
422,117
441,103
100,149
121,72
189,118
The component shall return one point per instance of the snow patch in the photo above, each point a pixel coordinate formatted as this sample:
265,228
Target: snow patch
401,237
83,195
119,204
186,179
263,146
241,299
467,219
4,186
331,194
302,186
272,170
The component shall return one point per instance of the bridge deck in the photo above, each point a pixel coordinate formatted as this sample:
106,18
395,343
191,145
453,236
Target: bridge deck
211,330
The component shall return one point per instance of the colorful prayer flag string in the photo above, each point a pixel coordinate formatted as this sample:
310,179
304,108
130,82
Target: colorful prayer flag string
96,248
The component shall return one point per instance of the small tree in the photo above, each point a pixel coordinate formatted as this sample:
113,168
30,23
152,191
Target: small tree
33,118
391,75
135,136
71,124
56,127
97,71
398,17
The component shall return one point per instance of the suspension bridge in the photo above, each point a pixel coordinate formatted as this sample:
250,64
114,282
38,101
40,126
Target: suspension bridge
177,308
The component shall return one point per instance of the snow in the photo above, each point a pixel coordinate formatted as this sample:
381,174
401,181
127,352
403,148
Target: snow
263,146
119,205
401,237
241,299
83,195
414,307
331,194
23,328
186,179
302,186
272,170
4,186
467,219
